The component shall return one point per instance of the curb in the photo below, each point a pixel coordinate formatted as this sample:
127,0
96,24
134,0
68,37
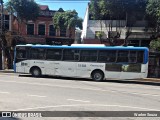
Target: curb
151,80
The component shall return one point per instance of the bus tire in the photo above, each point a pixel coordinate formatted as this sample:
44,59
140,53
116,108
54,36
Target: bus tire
36,72
97,75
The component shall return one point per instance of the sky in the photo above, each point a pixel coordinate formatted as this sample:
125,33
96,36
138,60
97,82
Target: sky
79,5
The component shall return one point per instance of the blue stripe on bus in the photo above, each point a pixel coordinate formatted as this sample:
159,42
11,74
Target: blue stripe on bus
94,47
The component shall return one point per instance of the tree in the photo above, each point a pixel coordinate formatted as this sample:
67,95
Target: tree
97,10
155,44
116,10
60,10
153,12
107,10
68,19
24,10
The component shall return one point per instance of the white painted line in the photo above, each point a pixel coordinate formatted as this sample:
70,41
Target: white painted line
90,105
78,100
36,96
102,90
4,92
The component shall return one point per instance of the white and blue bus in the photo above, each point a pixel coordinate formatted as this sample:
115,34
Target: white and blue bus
98,62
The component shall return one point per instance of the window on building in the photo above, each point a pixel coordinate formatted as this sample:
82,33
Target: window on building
30,29
6,22
52,31
63,32
41,29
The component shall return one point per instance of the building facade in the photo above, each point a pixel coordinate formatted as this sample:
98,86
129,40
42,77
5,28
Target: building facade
42,30
118,30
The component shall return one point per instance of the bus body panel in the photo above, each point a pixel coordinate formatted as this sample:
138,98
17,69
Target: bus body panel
144,68
49,68
22,67
80,69
85,69
65,68
124,75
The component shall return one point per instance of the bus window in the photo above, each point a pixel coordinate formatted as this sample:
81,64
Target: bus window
88,55
132,57
68,54
107,56
37,53
21,54
76,55
122,56
54,54
140,56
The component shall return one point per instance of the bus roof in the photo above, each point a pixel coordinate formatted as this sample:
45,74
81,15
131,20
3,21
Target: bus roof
85,46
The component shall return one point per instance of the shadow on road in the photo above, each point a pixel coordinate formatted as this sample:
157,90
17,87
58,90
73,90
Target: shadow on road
105,81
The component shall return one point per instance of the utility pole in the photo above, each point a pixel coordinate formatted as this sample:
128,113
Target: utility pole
2,34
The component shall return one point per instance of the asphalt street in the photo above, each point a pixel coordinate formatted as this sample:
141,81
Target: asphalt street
25,93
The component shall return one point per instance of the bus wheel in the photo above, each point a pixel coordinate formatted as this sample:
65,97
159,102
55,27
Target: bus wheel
97,75
36,72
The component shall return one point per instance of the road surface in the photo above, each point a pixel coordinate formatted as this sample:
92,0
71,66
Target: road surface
25,93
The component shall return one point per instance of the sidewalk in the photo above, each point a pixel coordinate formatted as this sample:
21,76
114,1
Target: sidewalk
156,80
7,71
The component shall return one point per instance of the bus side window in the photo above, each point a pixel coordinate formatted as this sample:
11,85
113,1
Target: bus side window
54,54
76,55
122,56
132,57
140,56
68,54
21,54
88,55
37,53
107,56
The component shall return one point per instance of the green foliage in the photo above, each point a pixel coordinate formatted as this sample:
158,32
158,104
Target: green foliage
155,44
25,10
98,9
153,11
100,34
129,10
115,9
67,19
60,10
